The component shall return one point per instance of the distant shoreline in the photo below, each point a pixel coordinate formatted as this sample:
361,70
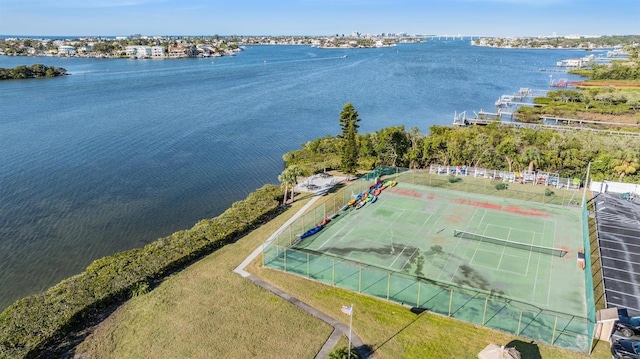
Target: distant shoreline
35,71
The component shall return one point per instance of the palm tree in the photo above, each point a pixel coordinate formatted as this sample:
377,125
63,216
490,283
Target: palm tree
289,177
626,163
285,180
295,172
531,155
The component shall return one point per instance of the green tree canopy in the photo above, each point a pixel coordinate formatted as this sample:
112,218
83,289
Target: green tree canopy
349,150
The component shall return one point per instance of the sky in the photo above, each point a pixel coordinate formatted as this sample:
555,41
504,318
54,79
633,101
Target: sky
319,17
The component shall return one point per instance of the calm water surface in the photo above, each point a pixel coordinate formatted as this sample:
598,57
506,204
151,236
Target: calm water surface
123,152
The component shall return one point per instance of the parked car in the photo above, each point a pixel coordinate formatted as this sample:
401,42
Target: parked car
626,325
625,349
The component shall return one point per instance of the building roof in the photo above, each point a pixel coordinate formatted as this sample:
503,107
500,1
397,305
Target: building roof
618,225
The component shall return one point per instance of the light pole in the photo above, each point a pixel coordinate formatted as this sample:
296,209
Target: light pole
586,182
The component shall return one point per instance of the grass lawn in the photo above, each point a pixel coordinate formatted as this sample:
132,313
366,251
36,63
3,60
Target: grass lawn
208,311
395,332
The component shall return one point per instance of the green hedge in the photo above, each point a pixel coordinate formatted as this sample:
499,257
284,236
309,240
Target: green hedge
31,323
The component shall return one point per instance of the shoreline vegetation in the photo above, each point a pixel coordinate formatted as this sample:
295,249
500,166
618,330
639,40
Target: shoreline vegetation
31,72
32,324
560,42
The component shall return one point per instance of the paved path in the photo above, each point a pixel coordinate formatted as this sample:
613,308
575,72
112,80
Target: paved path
339,328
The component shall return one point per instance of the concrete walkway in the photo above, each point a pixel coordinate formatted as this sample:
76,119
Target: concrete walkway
339,328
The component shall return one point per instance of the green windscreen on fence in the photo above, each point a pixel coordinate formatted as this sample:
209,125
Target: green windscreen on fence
588,276
474,306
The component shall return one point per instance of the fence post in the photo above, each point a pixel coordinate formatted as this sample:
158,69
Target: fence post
290,237
388,284
285,259
418,300
333,271
308,275
450,300
554,331
484,313
519,322
359,279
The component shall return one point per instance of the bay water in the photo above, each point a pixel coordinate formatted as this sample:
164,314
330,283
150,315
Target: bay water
122,152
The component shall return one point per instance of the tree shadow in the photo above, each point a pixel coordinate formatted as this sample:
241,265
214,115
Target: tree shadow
528,350
414,310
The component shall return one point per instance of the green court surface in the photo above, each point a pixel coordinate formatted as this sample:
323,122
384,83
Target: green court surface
410,229
444,250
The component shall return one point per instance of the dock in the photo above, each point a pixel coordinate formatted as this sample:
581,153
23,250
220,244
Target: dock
507,105
560,124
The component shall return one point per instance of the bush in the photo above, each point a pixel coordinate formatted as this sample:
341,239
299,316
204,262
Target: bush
548,192
343,353
31,323
502,186
140,289
454,179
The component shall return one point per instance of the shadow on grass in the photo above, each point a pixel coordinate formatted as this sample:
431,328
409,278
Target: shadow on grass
414,310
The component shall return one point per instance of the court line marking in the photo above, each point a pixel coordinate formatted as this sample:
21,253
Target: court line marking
479,265
455,250
357,221
526,274
503,249
551,260
524,231
535,282
533,240
477,245
405,247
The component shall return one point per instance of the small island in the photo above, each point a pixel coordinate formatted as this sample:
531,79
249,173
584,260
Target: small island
31,72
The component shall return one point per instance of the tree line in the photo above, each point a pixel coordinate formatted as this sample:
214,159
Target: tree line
495,146
33,71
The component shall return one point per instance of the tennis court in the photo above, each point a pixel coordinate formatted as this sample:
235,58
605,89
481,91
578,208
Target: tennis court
450,237
487,257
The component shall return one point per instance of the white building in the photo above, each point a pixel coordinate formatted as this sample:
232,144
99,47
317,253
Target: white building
570,63
157,51
66,50
139,52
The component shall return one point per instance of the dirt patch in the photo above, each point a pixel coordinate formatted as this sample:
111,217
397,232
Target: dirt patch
453,219
509,209
405,192
606,84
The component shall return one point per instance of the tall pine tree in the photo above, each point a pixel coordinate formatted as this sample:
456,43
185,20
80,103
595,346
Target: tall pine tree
349,150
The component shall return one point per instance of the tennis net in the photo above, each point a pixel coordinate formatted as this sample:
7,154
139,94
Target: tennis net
526,247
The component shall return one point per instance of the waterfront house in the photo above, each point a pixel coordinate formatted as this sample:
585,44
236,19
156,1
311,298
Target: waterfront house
138,51
66,50
157,51
570,63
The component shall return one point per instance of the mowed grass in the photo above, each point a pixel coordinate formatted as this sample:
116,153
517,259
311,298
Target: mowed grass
207,311
396,332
